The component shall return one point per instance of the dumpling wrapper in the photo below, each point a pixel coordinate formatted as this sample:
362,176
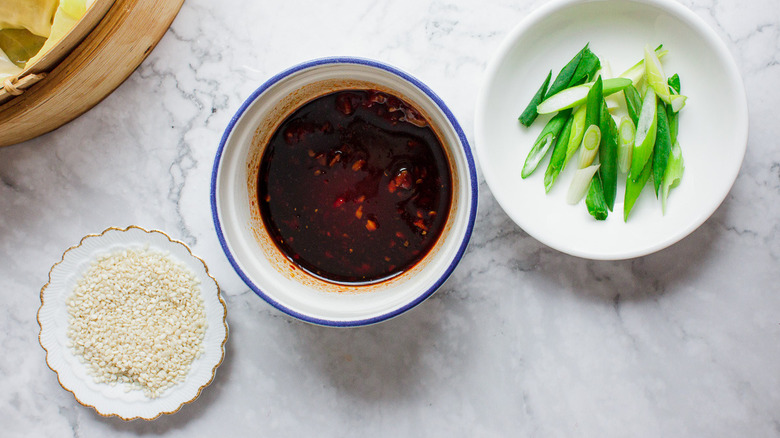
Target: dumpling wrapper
33,15
20,45
7,67
68,14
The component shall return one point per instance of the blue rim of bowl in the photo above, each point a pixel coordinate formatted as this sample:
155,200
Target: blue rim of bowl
472,179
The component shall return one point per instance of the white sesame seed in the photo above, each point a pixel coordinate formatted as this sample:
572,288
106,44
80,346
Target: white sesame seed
137,317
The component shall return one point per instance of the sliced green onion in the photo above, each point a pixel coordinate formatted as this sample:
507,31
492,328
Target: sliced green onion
654,75
613,101
633,103
586,69
674,117
656,78
674,82
558,155
606,70
571,97
672,175
677,102
642,88
608,156
593,102
595,201
590,146
662,147
529,114
561,81
637,71
626,134
580,183
543,142
634,186
577,131
645,134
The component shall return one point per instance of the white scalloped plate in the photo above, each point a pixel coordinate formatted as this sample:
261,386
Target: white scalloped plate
713,125
72,374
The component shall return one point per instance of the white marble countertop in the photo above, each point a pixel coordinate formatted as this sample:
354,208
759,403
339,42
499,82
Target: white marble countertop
521,341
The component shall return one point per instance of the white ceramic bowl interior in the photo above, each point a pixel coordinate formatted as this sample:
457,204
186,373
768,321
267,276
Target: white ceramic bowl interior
299,294
712,134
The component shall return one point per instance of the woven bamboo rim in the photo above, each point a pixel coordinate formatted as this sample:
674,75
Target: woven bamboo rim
16,86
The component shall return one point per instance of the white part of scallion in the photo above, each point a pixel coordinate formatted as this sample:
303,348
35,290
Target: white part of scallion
577,95
645,134
613,100
590,146
537,153
678,102
637,72
672,174
626,134
656,78
606,70
580,183
567,98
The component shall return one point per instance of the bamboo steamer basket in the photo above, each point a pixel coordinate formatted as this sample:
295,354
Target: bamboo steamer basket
92,60
37,71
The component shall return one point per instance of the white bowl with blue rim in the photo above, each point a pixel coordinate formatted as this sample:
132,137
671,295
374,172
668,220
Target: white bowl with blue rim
241,231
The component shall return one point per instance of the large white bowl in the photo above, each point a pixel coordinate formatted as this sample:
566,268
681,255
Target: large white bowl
246,242
713,125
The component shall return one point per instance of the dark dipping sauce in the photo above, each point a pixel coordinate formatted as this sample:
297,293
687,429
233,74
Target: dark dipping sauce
354,187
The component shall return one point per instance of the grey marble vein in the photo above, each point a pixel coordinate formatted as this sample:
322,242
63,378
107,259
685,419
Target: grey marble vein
520,341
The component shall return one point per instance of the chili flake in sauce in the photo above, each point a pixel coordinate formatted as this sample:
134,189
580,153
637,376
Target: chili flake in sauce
354,187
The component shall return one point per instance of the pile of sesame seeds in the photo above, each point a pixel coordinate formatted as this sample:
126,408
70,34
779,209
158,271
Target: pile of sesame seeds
137,317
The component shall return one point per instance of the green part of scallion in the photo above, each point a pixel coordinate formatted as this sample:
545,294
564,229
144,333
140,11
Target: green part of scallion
586,69
597,206
557,160
608,155
593,102
529,114
561,81
634,186
674,82
580,183
645,134
575,137
543,143
662,148
674,117
633,103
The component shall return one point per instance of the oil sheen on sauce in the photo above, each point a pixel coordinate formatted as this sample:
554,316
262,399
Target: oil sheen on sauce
354,187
